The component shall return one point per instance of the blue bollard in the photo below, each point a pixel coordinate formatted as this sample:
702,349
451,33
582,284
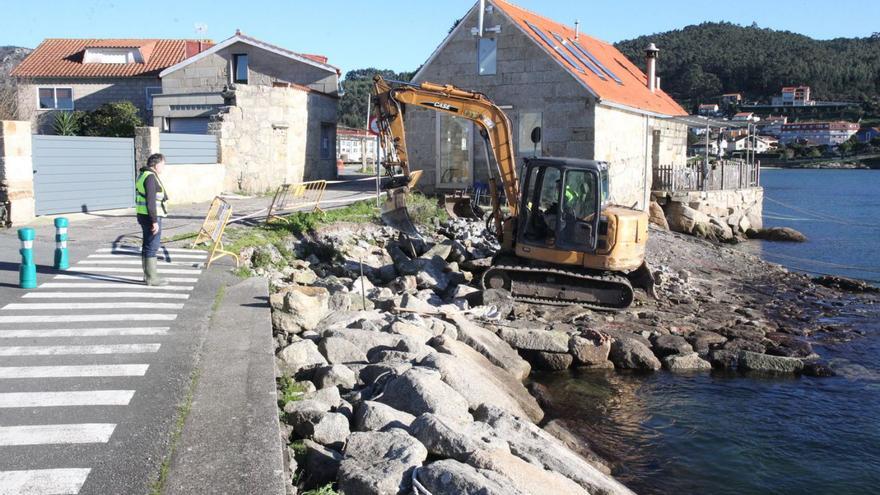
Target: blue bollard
62,262
27,274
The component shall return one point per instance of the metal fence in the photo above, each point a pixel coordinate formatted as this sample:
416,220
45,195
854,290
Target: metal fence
188,148
726,174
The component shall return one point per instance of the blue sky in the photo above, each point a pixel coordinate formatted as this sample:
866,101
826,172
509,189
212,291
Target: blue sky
400,34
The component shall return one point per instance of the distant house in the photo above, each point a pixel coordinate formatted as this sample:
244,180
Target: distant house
708,109
729,99
590,101
274,110
772,126
352,144
760,144
746,117
868,134
794,96
83,74
717,146
818,133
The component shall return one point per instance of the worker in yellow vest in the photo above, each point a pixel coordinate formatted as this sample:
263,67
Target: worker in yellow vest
150,206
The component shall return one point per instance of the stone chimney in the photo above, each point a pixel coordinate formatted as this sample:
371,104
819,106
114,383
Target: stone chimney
651,55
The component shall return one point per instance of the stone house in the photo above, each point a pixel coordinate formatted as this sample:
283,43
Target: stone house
588,99
83,74
273,110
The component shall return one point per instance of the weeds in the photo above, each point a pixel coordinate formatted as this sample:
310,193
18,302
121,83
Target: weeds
324,490
289,391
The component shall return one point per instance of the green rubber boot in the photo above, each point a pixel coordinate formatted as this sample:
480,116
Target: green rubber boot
152,273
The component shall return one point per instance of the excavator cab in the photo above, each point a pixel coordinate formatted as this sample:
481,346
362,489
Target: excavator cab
561,204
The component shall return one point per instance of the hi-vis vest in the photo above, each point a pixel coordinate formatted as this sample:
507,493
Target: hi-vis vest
141,196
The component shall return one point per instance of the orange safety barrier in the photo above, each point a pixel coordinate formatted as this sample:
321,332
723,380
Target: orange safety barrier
212,230
294,196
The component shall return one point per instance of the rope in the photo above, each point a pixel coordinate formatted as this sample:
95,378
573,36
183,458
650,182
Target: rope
417,487
822,216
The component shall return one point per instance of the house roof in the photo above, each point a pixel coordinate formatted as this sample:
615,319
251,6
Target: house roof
314,60
631,90
61,57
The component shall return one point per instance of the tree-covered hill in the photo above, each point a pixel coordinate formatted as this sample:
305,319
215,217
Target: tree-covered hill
357,86
701,62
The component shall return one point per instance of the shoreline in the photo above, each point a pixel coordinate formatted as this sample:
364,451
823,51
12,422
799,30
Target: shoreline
431,354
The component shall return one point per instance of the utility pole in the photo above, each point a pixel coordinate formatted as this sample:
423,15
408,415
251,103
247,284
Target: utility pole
364,139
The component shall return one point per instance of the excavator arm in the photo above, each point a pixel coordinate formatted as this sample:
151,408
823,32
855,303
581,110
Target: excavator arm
390,97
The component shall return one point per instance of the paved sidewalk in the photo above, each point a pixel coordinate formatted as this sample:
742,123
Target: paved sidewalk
231,442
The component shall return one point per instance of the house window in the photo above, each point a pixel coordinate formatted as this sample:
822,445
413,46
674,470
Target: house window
55,98
326,139
486,56
528,121
240,68
150,91
454,152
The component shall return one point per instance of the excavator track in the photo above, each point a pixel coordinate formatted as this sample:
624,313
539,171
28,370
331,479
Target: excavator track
559,286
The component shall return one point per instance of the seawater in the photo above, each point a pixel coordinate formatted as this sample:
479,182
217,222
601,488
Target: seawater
727,433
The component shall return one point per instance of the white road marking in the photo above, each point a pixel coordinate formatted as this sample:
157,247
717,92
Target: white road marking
56,434
121,278
97,370
82,305
66,399
132,254
43,481
83,318
62,350
137,262
104,269
135,249
82,332
108,285
104,295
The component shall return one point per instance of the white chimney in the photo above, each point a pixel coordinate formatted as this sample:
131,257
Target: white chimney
481,17
577,29
651,54
657,84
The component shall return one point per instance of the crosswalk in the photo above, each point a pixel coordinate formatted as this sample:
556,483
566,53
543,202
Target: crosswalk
82,342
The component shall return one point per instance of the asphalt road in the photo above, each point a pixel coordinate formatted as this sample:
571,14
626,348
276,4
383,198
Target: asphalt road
93,366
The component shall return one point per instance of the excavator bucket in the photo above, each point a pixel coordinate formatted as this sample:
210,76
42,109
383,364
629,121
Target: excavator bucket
395,214
460,205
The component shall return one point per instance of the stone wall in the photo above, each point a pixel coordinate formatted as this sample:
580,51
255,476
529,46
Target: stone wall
272,135
212,73
527,81
739,209
16,170
88,94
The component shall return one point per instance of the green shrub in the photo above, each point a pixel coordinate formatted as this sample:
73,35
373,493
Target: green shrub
324,490
112,120
68,123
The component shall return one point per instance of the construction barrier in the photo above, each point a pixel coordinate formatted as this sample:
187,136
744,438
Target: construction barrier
294,196
212,230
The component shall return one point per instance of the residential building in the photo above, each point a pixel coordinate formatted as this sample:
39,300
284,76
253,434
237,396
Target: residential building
818,133
708,109
868,134
760,144
353,144
745,117
83,74
794,96
590,101
772,126
729,99
274,110
717,146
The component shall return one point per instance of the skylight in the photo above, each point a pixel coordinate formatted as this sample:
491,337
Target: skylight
580,57
596,61
556,47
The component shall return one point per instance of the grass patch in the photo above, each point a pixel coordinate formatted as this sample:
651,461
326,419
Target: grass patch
218,299
180,237
177,430
324,490
290,391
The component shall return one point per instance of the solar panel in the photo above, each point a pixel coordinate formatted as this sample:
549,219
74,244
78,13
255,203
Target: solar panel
596,61
556,47
580,57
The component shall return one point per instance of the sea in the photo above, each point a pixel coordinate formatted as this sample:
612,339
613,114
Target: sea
728,433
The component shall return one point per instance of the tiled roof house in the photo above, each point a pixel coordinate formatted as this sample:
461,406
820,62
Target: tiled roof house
589,99
82,74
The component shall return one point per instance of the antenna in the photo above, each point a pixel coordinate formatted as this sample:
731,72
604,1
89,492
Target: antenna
201,28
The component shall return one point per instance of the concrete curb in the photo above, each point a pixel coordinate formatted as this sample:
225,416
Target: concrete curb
231,441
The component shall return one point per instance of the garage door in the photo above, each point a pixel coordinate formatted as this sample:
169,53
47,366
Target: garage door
194,125
82,174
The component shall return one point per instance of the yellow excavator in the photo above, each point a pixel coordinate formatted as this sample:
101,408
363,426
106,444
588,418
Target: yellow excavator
561,241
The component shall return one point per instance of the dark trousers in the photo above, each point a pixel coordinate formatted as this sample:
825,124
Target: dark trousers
152,241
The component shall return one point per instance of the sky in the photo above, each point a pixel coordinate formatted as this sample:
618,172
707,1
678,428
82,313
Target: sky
400,34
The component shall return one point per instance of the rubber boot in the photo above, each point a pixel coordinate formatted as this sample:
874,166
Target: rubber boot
144,267
152,273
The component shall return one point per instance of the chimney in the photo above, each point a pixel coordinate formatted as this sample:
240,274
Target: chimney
657,83
482,17
577,30
651,54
